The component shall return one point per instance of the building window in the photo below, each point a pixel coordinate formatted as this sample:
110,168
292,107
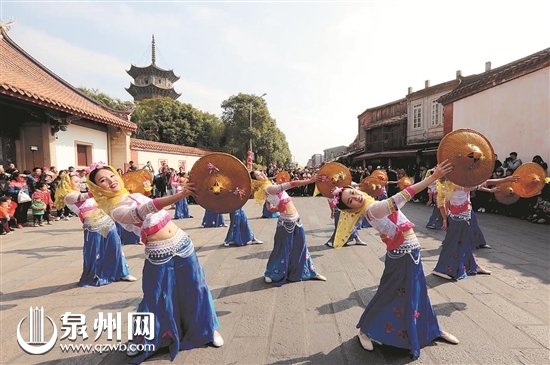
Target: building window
83,155
417,116
436,113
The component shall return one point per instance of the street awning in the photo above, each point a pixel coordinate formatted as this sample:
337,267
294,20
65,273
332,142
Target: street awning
398,153
364,156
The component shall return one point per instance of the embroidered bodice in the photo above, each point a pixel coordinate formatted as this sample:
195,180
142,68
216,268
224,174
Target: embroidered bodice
80,203
139,214
277,200
387,219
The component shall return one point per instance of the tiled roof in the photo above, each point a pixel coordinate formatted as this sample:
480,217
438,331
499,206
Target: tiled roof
141,144
24,78
388,121
474,84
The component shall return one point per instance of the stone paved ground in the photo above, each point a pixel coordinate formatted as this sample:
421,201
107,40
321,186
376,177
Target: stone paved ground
499,319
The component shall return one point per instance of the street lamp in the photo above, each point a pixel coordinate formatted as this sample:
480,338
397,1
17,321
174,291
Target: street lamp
250,145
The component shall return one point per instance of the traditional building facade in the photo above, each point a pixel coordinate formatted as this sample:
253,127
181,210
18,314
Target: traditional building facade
152,82
159,153
384,128
510,105
48,122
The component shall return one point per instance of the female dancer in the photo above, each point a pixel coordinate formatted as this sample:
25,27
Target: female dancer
400,313
173,283
104,261
335,214
456,260
436,219
239,232
290,258
182,207
212,219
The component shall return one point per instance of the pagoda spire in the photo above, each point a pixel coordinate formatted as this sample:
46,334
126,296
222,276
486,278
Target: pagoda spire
153,55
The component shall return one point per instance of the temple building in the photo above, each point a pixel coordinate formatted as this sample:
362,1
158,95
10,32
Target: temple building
152,82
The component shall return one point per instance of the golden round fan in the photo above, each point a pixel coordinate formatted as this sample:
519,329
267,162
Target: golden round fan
471,155
531,179
506,194
138,182
282,177
404,182
380,175
371,185
222,181
333,174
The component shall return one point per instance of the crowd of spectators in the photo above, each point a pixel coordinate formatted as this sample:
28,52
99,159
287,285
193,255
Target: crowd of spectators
20,189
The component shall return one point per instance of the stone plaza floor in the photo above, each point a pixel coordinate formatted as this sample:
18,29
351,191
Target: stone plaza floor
499,319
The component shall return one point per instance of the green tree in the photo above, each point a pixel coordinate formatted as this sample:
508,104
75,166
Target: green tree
169,121
106,100
268,142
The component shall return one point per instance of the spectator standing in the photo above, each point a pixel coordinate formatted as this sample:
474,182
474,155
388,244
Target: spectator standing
497,163
512,162
540,161
38,208
83,183
132,167
20,182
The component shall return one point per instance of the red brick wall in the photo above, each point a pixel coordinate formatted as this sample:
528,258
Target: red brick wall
447,118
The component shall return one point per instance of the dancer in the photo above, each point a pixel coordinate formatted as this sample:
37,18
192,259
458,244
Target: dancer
104,261
173,283
212,219
436,219
456,260
335,215
240,233
400,313
182,207
290,258
127,237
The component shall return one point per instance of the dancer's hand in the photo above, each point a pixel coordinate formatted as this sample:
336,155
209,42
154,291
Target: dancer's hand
189,189
442,169
512,178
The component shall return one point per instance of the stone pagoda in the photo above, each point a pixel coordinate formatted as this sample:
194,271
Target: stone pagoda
152,81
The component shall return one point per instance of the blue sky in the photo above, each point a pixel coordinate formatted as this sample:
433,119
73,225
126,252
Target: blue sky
320,63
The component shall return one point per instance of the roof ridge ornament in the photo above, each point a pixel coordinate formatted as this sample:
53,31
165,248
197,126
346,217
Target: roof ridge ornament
5,27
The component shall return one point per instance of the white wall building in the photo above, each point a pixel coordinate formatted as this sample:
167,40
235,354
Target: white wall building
510,105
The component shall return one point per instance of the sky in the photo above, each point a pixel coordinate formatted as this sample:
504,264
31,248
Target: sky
320,63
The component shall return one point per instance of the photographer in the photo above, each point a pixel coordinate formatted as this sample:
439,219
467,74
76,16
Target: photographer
512,162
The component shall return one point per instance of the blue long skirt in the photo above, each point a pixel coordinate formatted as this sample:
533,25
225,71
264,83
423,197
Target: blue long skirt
456,258
177,294
400,313
290,258
353,235
267,214
239,231
477,238
127,237
182,209
436,220
104,261
212,219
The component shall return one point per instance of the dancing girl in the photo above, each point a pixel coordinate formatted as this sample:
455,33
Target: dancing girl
400,313
173,283
290,258
104,261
